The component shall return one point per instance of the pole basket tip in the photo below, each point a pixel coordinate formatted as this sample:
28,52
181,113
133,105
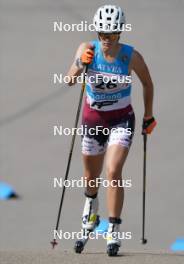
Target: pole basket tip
53,243
144,241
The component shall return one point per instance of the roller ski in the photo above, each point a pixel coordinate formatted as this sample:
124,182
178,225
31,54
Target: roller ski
113,242
90,220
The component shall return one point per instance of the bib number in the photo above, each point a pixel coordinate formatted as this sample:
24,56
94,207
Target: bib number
102,85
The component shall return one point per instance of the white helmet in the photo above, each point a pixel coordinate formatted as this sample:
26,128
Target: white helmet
109,19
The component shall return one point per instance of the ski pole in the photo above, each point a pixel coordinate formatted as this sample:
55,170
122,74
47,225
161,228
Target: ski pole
54,242
143,239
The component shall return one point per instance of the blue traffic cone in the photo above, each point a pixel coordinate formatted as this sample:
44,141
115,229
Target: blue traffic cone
6,191
102,227
178,245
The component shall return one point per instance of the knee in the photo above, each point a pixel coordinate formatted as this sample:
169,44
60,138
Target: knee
113,173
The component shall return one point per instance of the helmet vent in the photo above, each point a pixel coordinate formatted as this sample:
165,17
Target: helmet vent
108,18
100,14
117,16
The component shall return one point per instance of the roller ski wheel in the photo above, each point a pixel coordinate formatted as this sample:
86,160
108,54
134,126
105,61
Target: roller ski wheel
112,250
80,244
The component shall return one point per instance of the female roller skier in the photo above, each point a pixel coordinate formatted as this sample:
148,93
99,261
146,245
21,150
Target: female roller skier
108,105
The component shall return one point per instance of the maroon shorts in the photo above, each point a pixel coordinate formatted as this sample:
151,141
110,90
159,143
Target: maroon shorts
104,128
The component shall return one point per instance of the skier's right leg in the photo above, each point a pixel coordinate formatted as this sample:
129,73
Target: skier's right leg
90,219
94,145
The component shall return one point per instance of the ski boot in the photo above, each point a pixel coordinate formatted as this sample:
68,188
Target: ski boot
90,220
113,241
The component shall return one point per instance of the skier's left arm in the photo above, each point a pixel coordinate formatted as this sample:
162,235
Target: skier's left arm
139,66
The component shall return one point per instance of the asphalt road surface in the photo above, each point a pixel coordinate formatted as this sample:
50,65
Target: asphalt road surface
31,156
67,257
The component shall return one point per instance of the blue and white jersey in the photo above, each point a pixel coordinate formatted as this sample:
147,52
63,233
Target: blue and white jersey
109,85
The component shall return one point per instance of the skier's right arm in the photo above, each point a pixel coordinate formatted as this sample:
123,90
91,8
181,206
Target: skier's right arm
83,56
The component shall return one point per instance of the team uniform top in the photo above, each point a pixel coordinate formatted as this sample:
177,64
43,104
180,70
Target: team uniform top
108,103
104,95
